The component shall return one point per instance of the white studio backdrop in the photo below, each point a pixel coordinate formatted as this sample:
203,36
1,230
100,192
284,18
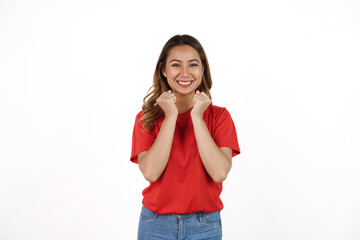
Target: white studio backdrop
72,78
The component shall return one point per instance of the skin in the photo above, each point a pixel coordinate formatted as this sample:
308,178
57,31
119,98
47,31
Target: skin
183,64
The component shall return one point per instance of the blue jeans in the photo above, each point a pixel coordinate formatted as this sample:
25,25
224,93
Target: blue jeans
196,226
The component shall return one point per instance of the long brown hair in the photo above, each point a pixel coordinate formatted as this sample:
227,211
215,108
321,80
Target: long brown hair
151,110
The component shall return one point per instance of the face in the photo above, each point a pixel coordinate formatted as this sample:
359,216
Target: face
183,70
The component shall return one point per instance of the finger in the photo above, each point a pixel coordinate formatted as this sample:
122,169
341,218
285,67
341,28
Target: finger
166,94
205,96
169,97
197,99
200,97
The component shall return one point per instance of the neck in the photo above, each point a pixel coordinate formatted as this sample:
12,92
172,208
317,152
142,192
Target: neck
184,102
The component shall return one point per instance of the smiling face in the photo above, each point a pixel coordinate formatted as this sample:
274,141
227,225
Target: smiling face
183,69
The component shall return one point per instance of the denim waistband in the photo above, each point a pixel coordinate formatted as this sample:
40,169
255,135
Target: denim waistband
179,216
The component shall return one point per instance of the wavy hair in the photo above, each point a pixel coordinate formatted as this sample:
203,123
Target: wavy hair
151,110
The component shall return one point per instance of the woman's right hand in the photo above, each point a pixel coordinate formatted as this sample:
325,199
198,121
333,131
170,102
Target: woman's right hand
167,102
153,161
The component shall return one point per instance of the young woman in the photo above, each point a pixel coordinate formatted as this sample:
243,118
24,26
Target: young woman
184,147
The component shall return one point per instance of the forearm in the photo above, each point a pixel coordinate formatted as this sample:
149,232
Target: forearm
154,161
215,161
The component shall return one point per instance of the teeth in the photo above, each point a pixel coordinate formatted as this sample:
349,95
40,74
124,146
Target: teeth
184,83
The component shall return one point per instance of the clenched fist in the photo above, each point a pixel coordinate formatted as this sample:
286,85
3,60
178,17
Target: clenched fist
167,102
201,103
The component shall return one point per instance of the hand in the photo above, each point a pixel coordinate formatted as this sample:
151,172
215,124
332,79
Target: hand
201,103
167,102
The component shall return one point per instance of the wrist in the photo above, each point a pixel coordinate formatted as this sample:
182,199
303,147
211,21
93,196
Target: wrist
196,117
172,115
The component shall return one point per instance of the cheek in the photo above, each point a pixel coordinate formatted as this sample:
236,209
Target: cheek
171,73
199,74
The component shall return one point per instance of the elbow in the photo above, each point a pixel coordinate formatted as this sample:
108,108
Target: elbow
220,174
148,172
219,178
151,177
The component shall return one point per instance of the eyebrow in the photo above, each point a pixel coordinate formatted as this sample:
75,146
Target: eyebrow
175,60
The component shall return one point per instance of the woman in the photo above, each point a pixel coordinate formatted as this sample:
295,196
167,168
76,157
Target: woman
184,147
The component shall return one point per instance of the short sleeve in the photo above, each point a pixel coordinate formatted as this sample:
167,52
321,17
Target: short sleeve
224,133
142,139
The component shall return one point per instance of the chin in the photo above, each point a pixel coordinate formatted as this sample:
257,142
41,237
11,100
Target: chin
185,92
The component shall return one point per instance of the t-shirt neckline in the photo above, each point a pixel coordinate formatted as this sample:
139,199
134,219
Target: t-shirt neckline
185,114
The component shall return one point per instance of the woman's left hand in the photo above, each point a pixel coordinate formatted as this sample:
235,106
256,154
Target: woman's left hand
201,103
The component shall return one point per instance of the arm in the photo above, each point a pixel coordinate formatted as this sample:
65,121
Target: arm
153,162
217,161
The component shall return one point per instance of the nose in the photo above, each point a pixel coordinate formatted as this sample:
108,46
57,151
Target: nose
184,71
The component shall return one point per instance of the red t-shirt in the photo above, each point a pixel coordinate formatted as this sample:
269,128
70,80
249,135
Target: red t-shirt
185,186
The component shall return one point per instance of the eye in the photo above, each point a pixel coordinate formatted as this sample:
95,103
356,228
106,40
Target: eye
194,65
175,65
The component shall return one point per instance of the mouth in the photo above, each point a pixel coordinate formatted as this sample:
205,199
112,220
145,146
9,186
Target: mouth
184,83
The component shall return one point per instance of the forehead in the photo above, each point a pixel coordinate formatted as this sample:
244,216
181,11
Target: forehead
183,53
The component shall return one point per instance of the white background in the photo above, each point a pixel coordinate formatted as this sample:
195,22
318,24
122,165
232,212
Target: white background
72,78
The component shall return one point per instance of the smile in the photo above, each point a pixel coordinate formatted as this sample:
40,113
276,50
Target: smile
184,83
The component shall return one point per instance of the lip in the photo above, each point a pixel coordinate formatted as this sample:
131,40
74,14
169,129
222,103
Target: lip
184,85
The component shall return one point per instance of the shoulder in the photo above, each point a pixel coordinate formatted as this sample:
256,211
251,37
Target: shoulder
217,111
139,115
216,108
138,120
141,121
